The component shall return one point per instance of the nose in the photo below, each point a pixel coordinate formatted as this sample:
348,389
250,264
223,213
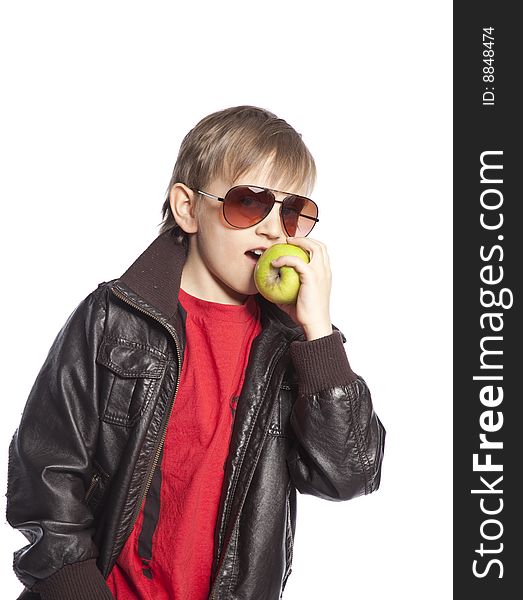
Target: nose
272,225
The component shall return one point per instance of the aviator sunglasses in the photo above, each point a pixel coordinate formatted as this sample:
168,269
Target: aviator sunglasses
247,205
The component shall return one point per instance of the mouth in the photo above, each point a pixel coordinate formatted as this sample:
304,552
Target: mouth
255,254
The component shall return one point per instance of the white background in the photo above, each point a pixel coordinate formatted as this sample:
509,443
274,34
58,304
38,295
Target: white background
96,98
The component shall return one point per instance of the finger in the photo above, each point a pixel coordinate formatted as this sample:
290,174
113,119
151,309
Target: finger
310,244
291,261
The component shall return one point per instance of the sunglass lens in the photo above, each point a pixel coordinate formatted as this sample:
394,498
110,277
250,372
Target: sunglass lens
245,206
299,215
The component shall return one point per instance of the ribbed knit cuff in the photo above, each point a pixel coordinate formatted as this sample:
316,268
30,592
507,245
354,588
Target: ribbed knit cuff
77,581
321,363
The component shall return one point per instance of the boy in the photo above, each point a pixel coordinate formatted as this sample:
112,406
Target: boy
178,410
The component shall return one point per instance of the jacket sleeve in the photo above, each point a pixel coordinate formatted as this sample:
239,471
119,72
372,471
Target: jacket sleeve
50,458
339,438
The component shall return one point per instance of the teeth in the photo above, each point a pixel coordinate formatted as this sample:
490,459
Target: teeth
258,252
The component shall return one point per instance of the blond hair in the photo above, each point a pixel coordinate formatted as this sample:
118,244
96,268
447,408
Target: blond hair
230,142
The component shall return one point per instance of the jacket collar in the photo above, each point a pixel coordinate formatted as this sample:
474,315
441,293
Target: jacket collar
154,278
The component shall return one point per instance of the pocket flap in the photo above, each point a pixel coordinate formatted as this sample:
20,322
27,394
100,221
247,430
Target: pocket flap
130,359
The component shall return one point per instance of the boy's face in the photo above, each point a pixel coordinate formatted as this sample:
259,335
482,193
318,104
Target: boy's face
217,267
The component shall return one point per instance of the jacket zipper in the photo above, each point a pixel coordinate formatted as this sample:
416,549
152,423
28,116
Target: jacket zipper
92,485
233,488
289,558
166,420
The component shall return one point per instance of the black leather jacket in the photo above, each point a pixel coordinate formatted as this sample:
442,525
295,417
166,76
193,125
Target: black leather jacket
92,430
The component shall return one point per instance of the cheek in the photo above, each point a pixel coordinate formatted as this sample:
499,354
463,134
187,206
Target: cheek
218,249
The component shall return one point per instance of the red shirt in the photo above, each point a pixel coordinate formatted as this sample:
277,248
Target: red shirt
170,550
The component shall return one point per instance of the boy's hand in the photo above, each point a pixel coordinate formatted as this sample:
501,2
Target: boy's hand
311,310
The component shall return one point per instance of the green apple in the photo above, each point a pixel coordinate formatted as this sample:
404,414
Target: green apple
279,284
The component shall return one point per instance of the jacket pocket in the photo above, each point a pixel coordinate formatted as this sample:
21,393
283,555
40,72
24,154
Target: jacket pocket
96,488
130,378
283,405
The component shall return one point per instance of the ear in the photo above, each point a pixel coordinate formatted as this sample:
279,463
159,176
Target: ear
182,201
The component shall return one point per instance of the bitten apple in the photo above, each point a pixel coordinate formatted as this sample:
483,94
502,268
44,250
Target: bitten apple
279,284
